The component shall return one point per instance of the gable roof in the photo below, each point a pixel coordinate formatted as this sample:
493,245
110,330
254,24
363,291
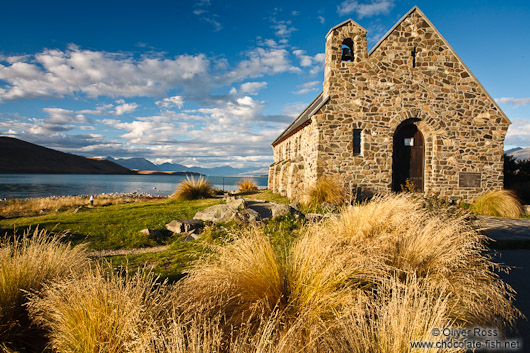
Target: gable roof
417,9
303,118
349,20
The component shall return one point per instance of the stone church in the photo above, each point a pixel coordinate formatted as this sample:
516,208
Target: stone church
408,110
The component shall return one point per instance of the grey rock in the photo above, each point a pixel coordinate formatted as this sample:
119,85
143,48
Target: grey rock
150,232
191,236
216,214
185,225
247,216
279,209
236,204
296,205
314,217
44,210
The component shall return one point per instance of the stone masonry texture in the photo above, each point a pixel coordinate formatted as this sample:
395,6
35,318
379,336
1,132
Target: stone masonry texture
412,76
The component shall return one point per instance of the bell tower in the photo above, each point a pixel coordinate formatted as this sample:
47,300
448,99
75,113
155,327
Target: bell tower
345,47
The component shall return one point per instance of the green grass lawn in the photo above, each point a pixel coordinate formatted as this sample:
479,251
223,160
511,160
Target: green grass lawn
116,226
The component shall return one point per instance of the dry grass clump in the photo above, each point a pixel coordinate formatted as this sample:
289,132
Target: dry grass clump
500,203
380,275
193,189
26,264
327,189
101,311
27,207
247,184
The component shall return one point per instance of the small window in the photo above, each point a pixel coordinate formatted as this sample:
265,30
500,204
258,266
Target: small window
356,142
413,56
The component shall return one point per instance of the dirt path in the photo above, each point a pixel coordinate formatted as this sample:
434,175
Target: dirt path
506,228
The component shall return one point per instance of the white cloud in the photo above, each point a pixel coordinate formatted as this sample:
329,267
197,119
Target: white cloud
125,108
294,109
321,19
518,133
308,87
365,9
63,116
283,28
175,101
202,10
252,87
316,62
262,61
56,73
517,102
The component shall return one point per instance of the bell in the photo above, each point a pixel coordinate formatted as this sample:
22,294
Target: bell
346,54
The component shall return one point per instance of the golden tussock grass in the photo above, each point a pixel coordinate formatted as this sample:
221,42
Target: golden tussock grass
373,279
326,189
500,203
101,311
27,262
193,189
370,280
247,184
21,207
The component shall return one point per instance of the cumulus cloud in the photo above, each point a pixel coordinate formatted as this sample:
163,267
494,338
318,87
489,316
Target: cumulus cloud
517,102
308,87
321,19
56,73
125,108
175,101
365,9
261,61
316,62
252,87
518,133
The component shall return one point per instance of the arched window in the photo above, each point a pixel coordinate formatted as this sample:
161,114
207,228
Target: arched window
347,50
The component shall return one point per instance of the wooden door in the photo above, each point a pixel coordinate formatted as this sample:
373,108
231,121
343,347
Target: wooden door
408,157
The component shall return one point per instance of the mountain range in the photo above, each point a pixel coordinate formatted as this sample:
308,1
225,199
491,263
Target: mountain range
519,153
144,164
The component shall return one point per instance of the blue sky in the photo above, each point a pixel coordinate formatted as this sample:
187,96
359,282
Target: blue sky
213,82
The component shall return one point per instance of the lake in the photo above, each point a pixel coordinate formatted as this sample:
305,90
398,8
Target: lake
44,185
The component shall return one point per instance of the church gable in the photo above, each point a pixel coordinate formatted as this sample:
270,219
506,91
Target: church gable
415,43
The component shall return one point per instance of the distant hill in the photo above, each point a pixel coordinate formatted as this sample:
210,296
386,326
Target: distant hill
519,153
21,157
144,164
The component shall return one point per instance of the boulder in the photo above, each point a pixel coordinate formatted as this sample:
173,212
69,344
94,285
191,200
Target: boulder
191,236
280,209
314,217
184,225
296,205
247,216
216,214
150,232
236,204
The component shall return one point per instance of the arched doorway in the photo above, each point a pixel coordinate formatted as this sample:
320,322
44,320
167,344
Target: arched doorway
408,157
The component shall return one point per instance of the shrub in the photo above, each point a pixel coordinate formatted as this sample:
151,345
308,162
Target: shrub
500,203
327,189
191,189
372,279
247,184
26,264
101,311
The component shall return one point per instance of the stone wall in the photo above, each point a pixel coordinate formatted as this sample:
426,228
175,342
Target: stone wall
295,161
413,75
